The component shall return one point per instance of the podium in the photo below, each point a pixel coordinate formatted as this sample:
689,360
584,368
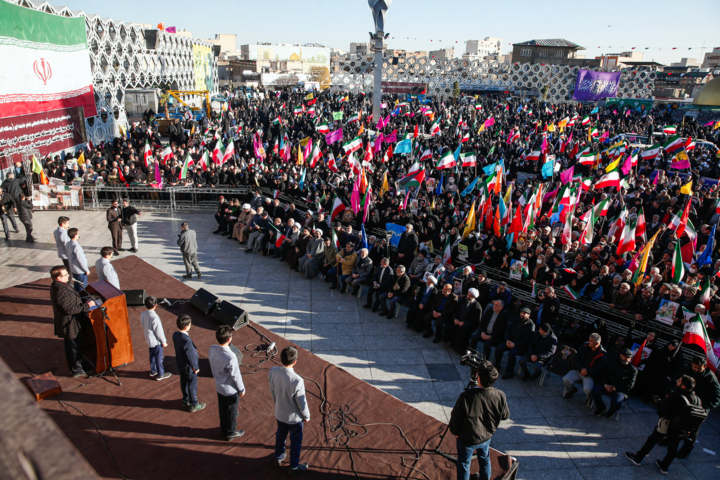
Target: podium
114,348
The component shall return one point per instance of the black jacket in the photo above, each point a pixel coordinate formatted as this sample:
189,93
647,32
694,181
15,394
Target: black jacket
594,361
500,326
400,287
186,354
407,244
387,278
673,404
519,332
477,414
543,347
25,210
450,305
129,215
706,386
620,376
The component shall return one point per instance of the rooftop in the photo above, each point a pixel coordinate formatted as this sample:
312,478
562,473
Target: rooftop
551,42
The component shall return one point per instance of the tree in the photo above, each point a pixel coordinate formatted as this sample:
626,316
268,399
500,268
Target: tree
456,90
321,75
544,92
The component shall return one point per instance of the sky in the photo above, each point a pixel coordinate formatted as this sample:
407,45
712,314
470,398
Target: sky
605,27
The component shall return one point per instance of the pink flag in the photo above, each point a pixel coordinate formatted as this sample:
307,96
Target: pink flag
170,30
680,164
605,136
308,149
709,124
544,146
392,138
378,143
355,197
550,195
567,175
489,122
334,136
627,166
158,175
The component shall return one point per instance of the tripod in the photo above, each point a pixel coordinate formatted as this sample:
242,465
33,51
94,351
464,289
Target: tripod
471,384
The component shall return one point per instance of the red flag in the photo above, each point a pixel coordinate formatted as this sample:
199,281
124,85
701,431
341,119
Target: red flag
415,133
637,358
279,241
516,226
496,223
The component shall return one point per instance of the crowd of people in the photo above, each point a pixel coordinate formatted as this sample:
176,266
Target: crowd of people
608,204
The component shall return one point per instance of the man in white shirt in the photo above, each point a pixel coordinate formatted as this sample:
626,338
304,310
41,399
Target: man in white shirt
291,410
105,270
77,259
228,382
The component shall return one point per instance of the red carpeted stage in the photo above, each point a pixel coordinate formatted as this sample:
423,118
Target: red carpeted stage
151,436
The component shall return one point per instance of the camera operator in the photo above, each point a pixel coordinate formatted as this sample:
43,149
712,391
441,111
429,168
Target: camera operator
474,419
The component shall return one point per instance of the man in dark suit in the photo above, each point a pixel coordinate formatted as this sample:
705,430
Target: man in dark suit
114,219
361,271
186,356
396,293
70,314
383,276
491,331
465,320
421,304
518,335
407,245
441,312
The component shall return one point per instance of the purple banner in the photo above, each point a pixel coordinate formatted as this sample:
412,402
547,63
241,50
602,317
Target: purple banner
392,138
334,136
593,86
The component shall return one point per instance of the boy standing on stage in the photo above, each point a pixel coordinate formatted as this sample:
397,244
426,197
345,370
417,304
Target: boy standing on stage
186,355
155,338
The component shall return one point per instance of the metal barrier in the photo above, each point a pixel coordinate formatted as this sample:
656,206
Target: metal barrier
193,197
149,198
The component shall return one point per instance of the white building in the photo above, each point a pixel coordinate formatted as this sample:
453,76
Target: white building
442,53
286,55
712,59
482,48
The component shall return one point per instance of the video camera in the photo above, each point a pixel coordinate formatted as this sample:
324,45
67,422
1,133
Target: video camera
475,361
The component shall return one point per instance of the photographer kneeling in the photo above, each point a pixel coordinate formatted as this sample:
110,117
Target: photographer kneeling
474,419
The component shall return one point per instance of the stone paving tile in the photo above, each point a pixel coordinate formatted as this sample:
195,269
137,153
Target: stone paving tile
395,357
536,457
401,373
645,472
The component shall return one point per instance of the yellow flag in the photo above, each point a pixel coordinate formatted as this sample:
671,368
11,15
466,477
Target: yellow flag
432,205
506,199
470,224
304,141
640,272
300,160
717,125
36,167
551,127
681,155
613,166
309,96
562,123
687,188
482,128
385,187
81,159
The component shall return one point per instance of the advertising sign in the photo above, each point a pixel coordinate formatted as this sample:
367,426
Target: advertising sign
203,64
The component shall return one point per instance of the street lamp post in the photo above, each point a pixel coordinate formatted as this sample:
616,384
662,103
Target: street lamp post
379,9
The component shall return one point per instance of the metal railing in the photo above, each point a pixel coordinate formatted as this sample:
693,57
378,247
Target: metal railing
149,198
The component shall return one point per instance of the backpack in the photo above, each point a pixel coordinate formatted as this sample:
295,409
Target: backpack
690,416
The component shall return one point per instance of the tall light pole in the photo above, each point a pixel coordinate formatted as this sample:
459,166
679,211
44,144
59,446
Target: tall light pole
379,9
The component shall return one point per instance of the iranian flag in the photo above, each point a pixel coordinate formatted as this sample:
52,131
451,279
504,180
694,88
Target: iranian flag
587,159
468,159
298,111
335,240
166,154
354,118
426,155
478,106
678,223
695,333
188,161
203,163
587,235
534,155
611,179
678,267
674,145
323,128
45,63
572,293
338,208
585,120
281,239
670,129
331,163
316,154
446,161
627,239
435,129
147,154
466,137
567,229
535,289
353,145
652,152
229,151
217,154
585,183
602,208
524,269
594,132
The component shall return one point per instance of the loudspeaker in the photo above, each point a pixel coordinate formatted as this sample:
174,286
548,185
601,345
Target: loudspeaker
231,315
135,298
151,39
204,301
237,353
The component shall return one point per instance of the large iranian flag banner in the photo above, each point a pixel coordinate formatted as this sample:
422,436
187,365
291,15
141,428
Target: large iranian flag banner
45,63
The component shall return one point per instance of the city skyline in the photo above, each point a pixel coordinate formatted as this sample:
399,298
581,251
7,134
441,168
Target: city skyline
406,22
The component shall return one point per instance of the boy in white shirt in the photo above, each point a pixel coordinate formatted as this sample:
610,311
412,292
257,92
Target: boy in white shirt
155,337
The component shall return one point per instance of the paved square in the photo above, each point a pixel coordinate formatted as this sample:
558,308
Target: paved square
553,438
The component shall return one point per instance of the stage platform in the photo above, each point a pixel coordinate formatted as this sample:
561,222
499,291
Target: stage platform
151,436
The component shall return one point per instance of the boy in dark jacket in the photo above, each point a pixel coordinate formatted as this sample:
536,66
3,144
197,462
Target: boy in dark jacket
589,364
541,349
618,379
186,356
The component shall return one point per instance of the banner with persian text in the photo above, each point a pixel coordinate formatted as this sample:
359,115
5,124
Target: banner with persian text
47,132
593,86
45,63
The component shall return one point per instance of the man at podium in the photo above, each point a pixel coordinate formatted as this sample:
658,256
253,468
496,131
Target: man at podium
70,314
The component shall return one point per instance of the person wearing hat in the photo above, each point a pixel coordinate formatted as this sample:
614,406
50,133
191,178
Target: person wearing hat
241,229
616,383
500,292
114,221
314,254
541,349
465,320
421,303
258,227
346,262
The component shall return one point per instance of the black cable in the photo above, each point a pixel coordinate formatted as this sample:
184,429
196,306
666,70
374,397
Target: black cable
97,428
340,419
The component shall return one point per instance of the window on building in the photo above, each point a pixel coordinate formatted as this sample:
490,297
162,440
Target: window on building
560,53
525,52
543,53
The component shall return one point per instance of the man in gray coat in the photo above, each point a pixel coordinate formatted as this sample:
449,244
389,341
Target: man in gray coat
188,246
360,272
61,238
314,254
291,410
105,270
77,259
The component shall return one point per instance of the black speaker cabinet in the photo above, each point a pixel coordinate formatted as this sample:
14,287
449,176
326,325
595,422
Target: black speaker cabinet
237,353
135,298
231,315
204,301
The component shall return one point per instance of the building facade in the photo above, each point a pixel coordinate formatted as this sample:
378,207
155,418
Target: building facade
553,51
483,48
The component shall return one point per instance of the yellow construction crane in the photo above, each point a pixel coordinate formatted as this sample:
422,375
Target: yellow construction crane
177,95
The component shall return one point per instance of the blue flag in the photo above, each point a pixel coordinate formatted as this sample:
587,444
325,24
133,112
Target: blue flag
396,111
363,237
403,147
595,110
438,190
470,187
489,169
547,169
502,207
705,257
556,216
397,231
302,179
456,153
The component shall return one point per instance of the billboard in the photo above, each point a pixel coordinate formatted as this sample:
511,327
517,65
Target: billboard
203,65
47,132
45,63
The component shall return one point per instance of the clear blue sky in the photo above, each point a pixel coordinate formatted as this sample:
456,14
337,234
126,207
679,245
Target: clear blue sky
614,25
